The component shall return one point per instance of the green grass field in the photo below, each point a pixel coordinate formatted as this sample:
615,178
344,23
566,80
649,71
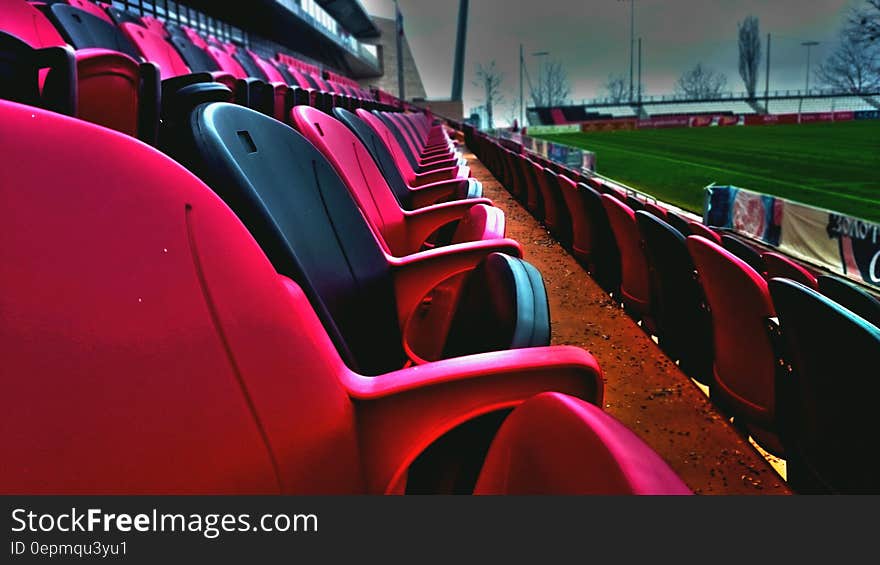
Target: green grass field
830,165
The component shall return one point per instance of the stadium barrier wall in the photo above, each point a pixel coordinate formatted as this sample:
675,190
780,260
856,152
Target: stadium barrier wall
703,120
571,157
845,245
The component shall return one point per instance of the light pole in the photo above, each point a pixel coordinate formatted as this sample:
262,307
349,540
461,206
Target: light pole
809,45
522,114
632,40
541,74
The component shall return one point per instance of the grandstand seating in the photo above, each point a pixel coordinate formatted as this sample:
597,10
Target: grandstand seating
778,265
829,402
850,297
635,284
244,340
741,311
409,197
110,88
353,297
722,329
684,326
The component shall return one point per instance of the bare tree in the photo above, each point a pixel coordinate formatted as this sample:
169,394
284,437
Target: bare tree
701,83
552,88
616,88
852,66
864,23
490,78
750,53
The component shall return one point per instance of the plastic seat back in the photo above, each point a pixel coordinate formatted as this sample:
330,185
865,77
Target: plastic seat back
830,400
306,221
635,285
196,58
605,262
778,265
697,228
173,359
851,297
528,174
583,231
226,63
380,153
591,453
679,223
744,251
91,8
745,360
27,23
554,205
84,30
684,326
155,49
361,174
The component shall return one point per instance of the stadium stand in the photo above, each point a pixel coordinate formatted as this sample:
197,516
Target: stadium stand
239,216
292,341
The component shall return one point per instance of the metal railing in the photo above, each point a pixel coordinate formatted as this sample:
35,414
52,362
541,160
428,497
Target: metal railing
727,96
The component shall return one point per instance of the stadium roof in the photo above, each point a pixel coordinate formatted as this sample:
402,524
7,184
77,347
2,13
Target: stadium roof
353,17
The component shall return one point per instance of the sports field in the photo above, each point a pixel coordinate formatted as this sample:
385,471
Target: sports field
830,165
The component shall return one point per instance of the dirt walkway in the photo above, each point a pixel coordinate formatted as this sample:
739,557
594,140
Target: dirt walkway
643,388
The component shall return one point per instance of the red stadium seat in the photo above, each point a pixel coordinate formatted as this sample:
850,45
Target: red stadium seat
402,232
602,456
635,284
411,177
410,198
380,309
154,48
745,350
172,358
778,265
556,215
696,228
111,88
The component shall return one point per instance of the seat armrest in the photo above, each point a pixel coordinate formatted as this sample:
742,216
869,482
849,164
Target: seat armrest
417,274
423,222
450,173
401,413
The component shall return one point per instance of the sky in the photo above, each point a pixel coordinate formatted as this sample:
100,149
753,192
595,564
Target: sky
590,38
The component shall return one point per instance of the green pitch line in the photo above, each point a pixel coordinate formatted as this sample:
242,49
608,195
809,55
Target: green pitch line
834,166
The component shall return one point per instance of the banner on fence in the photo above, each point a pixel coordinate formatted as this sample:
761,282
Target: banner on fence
843,244
550,130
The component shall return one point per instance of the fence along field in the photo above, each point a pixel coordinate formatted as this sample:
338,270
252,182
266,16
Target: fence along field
830,165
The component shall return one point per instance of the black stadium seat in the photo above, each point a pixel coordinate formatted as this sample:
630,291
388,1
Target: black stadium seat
306,220
829,401
459,188
82,30
851,297
683,323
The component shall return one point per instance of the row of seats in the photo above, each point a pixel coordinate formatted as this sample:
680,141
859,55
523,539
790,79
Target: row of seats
124,64
309,305
784,352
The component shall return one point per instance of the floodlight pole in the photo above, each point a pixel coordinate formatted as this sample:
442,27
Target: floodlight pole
640,72
809,45
632,25
522,116
767,79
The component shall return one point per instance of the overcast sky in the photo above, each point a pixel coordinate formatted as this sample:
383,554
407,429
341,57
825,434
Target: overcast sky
591,39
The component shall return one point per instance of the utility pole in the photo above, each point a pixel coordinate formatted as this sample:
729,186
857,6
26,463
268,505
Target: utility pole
640,71
809,45
632,24
460,43
400,80
522,115
767,79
